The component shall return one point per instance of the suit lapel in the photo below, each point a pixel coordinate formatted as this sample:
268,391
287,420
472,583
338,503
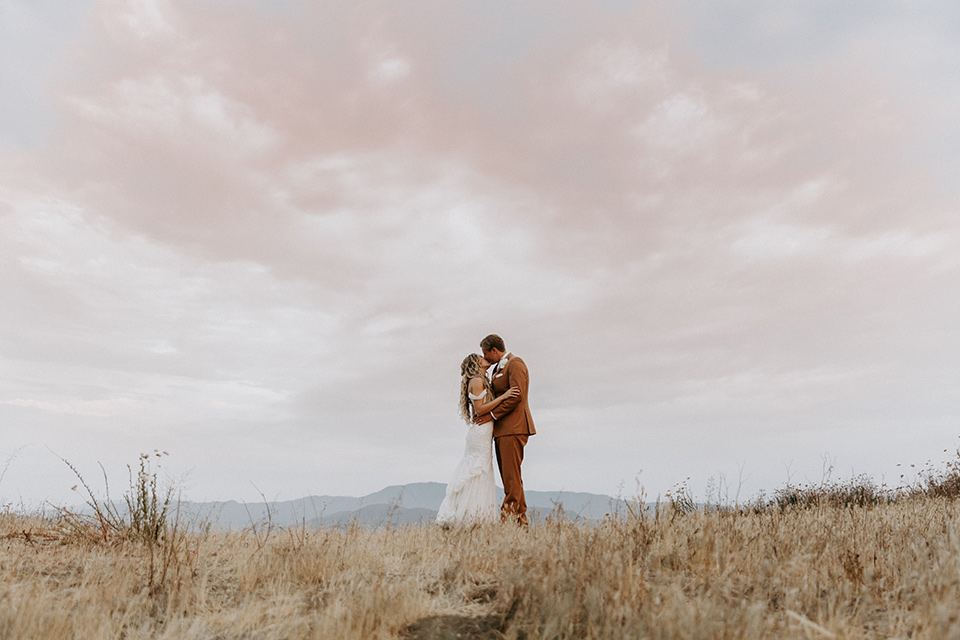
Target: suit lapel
500,370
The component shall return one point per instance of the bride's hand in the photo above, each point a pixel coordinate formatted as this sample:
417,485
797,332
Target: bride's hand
512,392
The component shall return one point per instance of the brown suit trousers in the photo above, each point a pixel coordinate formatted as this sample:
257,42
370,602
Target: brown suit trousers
509,457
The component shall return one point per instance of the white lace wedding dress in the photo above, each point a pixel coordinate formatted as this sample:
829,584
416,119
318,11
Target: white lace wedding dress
471,496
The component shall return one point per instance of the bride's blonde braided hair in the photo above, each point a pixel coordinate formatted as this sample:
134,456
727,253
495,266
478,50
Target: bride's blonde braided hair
469,369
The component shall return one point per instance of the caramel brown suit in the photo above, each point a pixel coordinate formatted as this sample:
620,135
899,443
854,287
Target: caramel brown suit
513,425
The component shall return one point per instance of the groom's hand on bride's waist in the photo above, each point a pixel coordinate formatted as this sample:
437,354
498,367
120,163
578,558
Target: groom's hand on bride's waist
482,419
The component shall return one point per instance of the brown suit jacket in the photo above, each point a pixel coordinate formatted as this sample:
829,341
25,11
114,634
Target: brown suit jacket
513,414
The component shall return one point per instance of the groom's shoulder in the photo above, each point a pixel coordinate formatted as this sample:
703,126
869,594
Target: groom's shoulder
517,360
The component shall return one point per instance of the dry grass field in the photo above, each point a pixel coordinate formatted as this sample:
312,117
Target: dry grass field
824,562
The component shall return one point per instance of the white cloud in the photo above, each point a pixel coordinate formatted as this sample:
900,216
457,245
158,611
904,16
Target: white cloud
145,18
763,239
681,122
98,408
900,244
185,108
390,70
609,71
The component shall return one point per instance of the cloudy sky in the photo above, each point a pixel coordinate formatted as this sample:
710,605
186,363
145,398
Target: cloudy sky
262,234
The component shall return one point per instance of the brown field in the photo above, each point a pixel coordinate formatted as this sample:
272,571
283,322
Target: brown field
816,568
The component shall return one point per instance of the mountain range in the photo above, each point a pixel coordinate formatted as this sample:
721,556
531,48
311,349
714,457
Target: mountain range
408,504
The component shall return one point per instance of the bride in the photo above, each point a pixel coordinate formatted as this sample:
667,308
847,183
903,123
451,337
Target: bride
471,495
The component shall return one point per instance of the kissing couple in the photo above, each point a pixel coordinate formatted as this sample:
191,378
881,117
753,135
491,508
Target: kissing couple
493,403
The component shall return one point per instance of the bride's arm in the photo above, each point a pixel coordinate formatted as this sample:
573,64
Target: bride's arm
479,406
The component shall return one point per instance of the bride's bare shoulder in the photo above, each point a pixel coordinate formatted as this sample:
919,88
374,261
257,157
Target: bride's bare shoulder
475,385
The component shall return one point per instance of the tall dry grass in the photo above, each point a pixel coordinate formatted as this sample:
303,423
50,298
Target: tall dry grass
824,568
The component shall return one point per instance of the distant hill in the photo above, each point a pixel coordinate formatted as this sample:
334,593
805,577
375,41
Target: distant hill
399,504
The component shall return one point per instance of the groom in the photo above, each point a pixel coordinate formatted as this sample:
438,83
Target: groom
512,425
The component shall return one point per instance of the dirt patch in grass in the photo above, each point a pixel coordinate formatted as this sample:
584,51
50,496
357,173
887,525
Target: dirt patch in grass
456,628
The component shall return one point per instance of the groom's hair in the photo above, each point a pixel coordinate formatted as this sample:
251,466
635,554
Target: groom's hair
492,341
